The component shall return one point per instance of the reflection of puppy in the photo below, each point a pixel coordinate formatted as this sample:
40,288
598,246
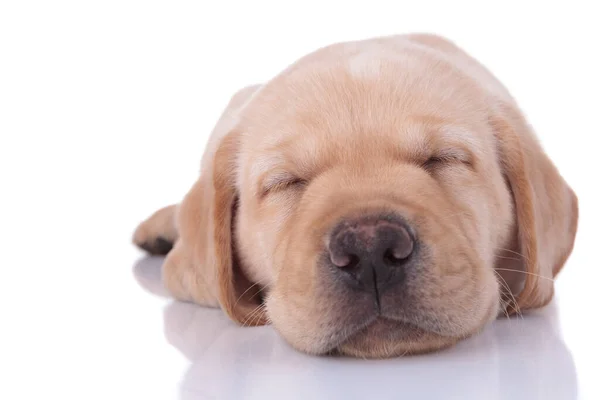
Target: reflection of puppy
517,359
376,198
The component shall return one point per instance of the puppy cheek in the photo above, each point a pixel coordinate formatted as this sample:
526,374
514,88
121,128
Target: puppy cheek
480,303
294,328
490,298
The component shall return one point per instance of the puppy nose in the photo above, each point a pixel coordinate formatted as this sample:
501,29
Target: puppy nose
371,253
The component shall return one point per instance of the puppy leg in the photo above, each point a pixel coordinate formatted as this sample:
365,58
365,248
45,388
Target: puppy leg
185,282
157,234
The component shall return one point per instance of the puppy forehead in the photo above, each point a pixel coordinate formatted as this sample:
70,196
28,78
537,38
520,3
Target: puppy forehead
322,114
304,151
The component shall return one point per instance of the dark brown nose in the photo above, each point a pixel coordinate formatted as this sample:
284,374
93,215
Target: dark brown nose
371,253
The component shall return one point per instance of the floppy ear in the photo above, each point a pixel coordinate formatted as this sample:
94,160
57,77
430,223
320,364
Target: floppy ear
545,207
203,266
238,297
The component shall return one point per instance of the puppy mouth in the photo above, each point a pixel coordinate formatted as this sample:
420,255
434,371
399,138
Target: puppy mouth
385,337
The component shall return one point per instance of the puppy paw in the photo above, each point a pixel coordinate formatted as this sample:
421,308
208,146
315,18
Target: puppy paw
157,234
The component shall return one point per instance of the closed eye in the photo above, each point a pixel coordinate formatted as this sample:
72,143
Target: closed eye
280,182
448,157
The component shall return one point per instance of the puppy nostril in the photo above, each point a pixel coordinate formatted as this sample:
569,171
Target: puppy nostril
395,257
401,252
403,247
344,260
340,260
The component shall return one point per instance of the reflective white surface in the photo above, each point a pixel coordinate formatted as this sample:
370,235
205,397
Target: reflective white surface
512,359
105,108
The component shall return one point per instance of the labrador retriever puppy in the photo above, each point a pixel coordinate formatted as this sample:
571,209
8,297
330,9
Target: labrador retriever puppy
376,198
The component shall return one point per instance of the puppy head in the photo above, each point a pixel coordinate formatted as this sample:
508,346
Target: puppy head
375,213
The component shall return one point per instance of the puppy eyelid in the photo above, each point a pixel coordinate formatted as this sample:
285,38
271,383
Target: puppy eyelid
280,181
449,156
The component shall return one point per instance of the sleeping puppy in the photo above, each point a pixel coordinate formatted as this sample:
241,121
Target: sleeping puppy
375,199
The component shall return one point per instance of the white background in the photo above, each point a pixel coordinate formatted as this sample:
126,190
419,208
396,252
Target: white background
105,107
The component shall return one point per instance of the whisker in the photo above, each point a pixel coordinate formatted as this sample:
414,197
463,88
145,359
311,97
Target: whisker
246,291
503,303
258,314
512,251
515,305
507,258
259,291
247,319
254,315
524,272
504,307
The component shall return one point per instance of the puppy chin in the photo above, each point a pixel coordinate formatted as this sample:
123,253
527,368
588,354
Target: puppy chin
386,338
